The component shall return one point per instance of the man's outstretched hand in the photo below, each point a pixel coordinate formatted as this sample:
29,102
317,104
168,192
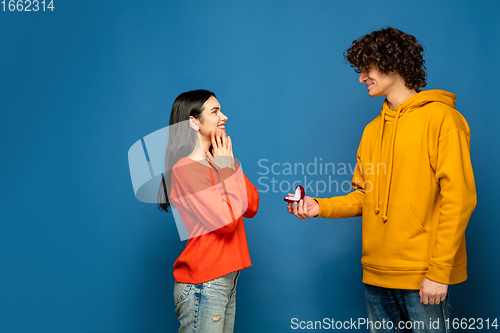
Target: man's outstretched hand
304,209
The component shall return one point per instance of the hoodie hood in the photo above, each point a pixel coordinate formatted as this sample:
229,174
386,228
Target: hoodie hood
418,100
387,115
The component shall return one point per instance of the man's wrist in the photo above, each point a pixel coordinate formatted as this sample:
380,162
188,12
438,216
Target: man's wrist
318,206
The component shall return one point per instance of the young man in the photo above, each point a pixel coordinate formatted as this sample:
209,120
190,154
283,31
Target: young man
413,185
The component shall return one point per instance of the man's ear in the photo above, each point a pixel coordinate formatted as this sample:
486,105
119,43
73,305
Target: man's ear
193,124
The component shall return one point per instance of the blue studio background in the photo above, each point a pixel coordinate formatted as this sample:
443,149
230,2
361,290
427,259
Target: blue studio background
81,84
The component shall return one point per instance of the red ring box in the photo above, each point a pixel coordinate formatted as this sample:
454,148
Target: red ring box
299,195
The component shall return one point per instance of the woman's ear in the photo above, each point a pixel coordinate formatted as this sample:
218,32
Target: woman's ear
193,124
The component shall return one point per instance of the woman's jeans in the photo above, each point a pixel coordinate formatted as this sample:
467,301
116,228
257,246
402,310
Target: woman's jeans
208,307
400,310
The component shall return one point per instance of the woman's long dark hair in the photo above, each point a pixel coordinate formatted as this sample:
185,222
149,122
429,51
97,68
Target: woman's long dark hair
181,137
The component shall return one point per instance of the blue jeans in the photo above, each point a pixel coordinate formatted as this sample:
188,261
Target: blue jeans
208,307
400,310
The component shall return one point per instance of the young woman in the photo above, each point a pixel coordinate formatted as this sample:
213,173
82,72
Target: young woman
211,193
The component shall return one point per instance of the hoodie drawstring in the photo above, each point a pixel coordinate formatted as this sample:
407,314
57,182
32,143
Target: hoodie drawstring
389,169
377,176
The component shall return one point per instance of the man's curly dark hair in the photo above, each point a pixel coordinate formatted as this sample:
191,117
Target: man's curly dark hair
390,50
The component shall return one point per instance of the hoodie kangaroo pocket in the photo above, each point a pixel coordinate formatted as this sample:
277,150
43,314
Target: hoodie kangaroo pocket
399,243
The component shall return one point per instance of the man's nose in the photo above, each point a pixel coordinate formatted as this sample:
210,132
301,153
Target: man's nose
362,77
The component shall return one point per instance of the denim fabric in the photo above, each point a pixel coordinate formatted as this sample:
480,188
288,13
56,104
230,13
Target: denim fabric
396,310
208,307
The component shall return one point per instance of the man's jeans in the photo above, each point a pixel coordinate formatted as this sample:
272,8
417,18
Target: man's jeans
400,310
208,307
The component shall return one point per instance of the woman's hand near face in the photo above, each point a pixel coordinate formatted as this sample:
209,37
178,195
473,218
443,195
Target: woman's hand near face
222,149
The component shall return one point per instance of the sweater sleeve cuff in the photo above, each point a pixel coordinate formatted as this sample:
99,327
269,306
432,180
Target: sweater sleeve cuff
438,273
325,209
225,173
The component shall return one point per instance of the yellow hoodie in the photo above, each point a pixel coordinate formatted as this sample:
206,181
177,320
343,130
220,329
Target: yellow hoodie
415,189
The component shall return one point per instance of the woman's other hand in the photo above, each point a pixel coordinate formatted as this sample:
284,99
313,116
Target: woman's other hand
222,149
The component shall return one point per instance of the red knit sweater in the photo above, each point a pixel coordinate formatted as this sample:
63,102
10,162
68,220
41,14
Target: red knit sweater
211,205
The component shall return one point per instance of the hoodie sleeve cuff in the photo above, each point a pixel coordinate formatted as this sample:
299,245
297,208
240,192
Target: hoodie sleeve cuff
325,208
438,273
